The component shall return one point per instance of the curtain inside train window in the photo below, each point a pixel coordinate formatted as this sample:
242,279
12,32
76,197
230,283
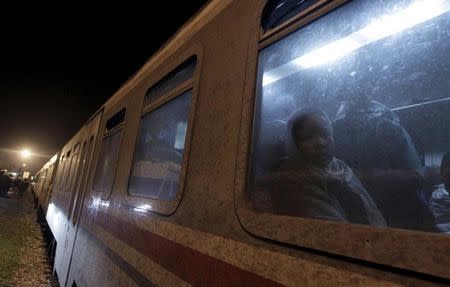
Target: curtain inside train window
352,118
159,150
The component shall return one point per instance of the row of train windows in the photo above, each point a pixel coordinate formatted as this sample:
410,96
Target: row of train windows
351,121
161,139
67,168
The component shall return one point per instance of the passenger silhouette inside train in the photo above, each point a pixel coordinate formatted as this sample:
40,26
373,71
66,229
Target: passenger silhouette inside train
313,183
440,198
370,138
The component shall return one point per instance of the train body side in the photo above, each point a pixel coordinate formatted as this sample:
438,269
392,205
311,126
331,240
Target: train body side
113,242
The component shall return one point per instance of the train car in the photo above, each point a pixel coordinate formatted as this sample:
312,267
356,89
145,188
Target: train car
268,143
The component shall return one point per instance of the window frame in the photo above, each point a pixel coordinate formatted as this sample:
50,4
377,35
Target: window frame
42,178
285,24
160,206
104,133
65,167
418,251
83,177
42,185
72,167
59,171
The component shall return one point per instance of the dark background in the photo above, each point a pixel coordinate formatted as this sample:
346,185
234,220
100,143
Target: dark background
58,65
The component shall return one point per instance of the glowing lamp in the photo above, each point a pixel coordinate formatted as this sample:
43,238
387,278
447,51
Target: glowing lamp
25,153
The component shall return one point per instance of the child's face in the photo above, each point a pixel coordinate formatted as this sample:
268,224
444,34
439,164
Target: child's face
315,141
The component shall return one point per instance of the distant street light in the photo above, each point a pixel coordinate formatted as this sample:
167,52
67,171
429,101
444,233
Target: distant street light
24,164
25,153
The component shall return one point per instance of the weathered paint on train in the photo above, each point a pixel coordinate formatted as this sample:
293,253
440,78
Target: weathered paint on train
104,240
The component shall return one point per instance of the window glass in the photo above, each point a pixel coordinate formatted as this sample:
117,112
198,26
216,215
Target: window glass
352,118
48,180
42,180
159,150
59,172
73,167
66,167
279,11
69,169
182,73
115,120
106,166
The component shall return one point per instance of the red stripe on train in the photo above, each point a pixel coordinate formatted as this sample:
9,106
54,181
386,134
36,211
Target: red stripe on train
190,265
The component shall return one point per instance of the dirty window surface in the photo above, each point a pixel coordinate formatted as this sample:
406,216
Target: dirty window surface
159,150
352,119
107,163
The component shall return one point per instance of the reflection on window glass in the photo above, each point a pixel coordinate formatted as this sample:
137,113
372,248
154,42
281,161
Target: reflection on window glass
353,117
159,150
106,166
180,135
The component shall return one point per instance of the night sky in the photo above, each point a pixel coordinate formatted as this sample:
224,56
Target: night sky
59,65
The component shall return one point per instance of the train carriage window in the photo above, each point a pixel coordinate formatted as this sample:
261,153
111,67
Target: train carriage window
65,169
43,180
109,154
59,171
182,73
115,121
159,151
352,119
73,167
279,11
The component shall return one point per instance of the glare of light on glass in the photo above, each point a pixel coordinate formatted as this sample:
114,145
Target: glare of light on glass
418,12
104,203
97,202
25,153
142,208
180,136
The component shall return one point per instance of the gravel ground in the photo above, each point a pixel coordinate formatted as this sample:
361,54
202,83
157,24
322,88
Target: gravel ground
23,256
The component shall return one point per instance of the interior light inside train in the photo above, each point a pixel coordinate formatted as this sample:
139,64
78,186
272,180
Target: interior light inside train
352,118
379,28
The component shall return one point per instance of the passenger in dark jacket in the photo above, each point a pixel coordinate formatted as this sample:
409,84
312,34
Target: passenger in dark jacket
314,183
370,138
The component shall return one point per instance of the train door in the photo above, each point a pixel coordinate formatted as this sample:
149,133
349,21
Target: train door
77,196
